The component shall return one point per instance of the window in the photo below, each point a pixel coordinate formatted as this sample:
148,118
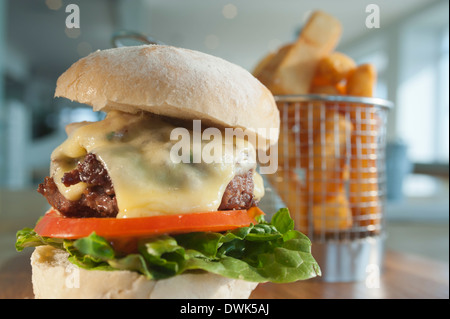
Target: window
412,60
443,101
423,95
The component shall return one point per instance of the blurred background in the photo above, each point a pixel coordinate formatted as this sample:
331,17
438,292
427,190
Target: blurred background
410,50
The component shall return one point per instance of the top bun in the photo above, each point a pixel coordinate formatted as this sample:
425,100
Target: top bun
173,82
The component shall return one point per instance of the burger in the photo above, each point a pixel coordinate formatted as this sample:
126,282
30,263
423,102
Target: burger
138,210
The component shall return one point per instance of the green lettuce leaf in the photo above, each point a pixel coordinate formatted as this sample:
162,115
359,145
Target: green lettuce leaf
263,252
28,238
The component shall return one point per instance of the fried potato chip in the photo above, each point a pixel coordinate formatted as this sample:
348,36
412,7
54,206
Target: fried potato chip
334,68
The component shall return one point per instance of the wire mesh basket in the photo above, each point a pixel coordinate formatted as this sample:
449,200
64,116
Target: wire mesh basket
331,176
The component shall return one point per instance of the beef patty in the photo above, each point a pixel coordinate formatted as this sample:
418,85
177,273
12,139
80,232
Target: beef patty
99,198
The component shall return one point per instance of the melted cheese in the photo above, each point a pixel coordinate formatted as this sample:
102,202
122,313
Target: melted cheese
258,186
135,149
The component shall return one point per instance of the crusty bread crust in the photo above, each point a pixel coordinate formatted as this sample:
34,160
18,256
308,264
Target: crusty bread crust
172,82
54,277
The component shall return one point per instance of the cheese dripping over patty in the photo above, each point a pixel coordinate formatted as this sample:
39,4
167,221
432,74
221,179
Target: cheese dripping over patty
135,150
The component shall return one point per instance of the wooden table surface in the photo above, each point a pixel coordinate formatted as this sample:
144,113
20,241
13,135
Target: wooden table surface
403,276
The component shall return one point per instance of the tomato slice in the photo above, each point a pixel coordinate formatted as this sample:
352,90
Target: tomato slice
53,224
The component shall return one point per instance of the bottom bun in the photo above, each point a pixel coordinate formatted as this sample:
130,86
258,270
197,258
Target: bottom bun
53,276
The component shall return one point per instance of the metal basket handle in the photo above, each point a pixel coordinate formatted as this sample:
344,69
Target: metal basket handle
118,37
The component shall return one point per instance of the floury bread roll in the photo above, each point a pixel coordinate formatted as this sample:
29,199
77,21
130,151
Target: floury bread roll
173,82
138,208
54,277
